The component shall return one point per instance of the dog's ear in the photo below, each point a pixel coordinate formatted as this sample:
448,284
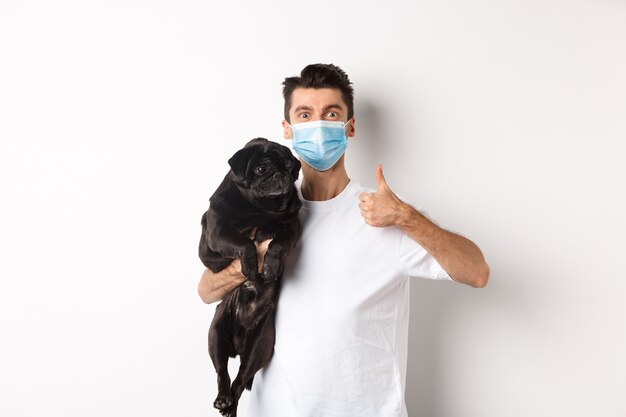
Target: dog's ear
295,163
239,162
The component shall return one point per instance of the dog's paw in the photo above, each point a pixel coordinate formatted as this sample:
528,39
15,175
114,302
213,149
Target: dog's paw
270,274
223,401
231,411
249,271
262,235
272,268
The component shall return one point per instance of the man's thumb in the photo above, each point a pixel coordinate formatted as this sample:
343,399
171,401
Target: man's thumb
380,178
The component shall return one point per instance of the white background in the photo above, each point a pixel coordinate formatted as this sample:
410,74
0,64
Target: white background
505,120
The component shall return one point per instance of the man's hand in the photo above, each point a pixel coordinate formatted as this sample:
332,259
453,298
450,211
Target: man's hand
381,208
215,286
235,266
261,248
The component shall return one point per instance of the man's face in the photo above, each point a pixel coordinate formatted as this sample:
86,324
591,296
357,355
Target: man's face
309,104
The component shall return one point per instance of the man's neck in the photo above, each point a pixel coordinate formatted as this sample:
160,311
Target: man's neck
322,186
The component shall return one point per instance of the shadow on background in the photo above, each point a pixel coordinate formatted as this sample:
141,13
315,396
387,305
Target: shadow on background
368,146
427,303
438,308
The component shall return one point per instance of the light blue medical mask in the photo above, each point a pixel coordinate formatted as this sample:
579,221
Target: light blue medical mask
319,143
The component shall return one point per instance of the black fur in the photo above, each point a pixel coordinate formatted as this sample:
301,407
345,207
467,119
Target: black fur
258,193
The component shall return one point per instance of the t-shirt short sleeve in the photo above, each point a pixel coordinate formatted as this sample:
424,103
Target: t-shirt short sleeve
417,262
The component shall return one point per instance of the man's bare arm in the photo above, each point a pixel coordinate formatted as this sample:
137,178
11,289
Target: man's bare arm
214,286
460,257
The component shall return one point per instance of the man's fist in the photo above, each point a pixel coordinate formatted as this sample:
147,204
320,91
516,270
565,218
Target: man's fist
381,208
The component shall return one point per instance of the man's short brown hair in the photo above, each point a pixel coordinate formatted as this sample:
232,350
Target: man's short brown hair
320,76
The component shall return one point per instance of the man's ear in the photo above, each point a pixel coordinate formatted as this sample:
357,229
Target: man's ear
239,162
351,129
287,132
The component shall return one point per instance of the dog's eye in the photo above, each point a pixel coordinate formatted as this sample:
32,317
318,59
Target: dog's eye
261,169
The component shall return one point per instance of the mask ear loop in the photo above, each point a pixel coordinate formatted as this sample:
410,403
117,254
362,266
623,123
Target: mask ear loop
345,125
289,124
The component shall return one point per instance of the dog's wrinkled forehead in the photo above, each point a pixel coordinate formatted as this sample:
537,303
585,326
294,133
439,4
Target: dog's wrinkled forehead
261,151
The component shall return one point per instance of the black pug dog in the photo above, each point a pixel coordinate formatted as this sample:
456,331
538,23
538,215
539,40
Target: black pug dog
257,197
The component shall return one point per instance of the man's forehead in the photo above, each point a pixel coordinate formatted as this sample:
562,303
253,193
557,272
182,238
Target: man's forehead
317,98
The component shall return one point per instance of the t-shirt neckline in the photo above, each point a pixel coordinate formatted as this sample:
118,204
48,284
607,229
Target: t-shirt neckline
326,204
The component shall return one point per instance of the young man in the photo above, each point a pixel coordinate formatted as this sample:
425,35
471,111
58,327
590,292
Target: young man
342,320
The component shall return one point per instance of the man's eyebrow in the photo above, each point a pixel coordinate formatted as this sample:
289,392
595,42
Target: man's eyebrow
307,108
333,107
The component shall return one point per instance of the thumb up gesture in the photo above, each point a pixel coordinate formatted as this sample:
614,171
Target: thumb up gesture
381,208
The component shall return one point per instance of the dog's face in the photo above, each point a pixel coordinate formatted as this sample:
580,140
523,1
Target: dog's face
264,169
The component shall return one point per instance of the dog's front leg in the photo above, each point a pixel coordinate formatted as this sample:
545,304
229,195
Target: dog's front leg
230,243
284,239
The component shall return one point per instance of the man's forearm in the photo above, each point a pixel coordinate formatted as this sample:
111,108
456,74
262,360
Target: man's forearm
214,286
459,256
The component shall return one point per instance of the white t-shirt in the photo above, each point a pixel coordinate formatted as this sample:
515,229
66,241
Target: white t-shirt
342,317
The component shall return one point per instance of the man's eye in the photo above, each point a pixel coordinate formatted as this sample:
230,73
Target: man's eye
304,115
261,169
331,114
